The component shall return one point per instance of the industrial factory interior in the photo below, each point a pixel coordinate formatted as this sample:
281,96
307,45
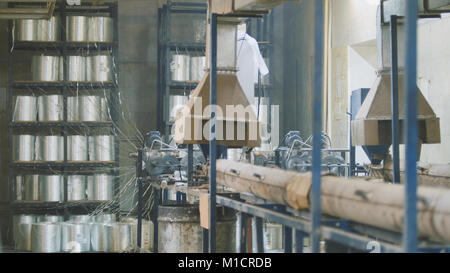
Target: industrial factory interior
225,126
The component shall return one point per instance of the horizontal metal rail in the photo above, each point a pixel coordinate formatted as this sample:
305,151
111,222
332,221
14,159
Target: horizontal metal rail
328,233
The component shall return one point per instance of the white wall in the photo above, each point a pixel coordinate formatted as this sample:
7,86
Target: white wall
352,63
353,21
434,81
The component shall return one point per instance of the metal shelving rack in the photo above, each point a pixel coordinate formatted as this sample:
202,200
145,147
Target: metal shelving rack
65,48
166,46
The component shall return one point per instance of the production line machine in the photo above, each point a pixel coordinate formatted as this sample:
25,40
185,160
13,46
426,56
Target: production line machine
281,177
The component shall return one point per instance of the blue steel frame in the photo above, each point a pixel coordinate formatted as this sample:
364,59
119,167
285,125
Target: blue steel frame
212,142
394,100
410,219
317,126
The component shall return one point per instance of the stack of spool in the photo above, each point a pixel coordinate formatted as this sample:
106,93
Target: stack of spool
77,148
101,148
98,187
44,188
197,68
24,148
87,108
176,104
49,148
38,30
22,229
45,108
50,108
81,233
89,29
78,29
31,148
50,188
96,68
25,108
95,29
48,68
186,68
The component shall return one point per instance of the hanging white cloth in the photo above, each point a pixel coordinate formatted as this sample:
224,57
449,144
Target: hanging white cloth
249,62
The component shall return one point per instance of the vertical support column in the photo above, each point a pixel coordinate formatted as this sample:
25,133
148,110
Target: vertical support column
205,235
243,233
179,197
249,235
10,106
299,236
166,98
165,196
155,220
116,103
65,90
139,223
139,208
190,165
259,235
287,239
212,142
352,154
410,222
277,159
317,126
394,100
159,105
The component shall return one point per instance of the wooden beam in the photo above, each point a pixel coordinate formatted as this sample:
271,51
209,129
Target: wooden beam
360,200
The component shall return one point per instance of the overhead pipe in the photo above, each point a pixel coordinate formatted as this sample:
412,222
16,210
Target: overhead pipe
357,199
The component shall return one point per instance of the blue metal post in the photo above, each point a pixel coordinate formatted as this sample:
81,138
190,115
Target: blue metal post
139,181
410,222
394,100
212,143
259,235
190,166
277,158
243,233
317,127
165,196
287,239
205,235
139,224
299,236
155,220
179,197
